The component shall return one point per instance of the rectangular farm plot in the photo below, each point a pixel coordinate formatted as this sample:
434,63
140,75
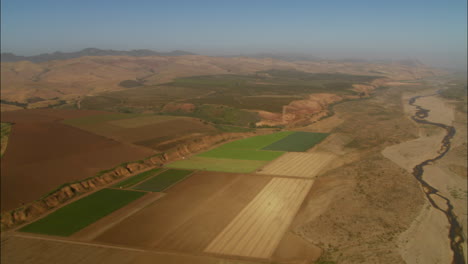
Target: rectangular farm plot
257,230
298,141
306,165
77,215
137,178
213,164
242,154
163,181
257,142
190,215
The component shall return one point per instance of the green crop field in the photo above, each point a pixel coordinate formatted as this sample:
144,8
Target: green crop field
77,215
163,180
137,178
242,154
213,164
256,142
298,141
248,148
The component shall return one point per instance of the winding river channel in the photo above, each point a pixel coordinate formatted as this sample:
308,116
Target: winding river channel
456,232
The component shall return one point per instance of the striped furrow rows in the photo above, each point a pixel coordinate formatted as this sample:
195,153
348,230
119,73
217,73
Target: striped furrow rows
259,227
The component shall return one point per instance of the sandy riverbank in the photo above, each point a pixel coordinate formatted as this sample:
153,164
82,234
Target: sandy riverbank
427,241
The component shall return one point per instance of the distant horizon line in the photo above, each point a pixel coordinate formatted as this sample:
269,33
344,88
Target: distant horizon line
280,55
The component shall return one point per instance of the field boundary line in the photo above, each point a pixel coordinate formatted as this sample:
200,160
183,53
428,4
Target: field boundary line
142,250
163,169
133,211
248,234
181,180
69,241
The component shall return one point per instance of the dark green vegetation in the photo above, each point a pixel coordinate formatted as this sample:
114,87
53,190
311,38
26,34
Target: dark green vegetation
241,154
226,99
5,134
77,215
135,100
130,83
257,142
22,105
137,178
163,180
221,114
299,141
268,90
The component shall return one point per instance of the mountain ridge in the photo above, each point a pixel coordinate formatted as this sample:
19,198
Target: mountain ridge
10,57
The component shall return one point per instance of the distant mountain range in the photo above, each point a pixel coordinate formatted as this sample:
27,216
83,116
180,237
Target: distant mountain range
10,57
285,56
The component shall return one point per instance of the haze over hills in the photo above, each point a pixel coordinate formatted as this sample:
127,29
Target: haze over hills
92,71
10,57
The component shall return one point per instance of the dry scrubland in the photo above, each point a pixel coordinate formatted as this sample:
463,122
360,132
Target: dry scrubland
342,195
74,78
447,175
356,212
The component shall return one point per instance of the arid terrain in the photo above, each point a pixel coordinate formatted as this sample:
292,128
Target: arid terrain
219,170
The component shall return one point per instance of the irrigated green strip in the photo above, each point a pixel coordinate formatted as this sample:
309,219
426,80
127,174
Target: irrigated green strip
77,215
137,178
224,165
299,141
242,154
257,142
163,181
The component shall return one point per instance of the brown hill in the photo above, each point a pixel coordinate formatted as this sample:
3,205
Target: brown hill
70,79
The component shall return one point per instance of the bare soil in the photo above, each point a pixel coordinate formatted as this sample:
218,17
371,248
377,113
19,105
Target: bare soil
43,154
306,165
257,230
190,215
21,249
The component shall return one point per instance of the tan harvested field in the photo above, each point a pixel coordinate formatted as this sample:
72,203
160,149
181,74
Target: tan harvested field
190,215
24,249
43,153
305,165
257,230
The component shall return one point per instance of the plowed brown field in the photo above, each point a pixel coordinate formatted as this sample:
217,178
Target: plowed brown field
43,153
21,250
306,165
190,215
257,230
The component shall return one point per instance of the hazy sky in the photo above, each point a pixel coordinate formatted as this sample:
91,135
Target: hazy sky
433,31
